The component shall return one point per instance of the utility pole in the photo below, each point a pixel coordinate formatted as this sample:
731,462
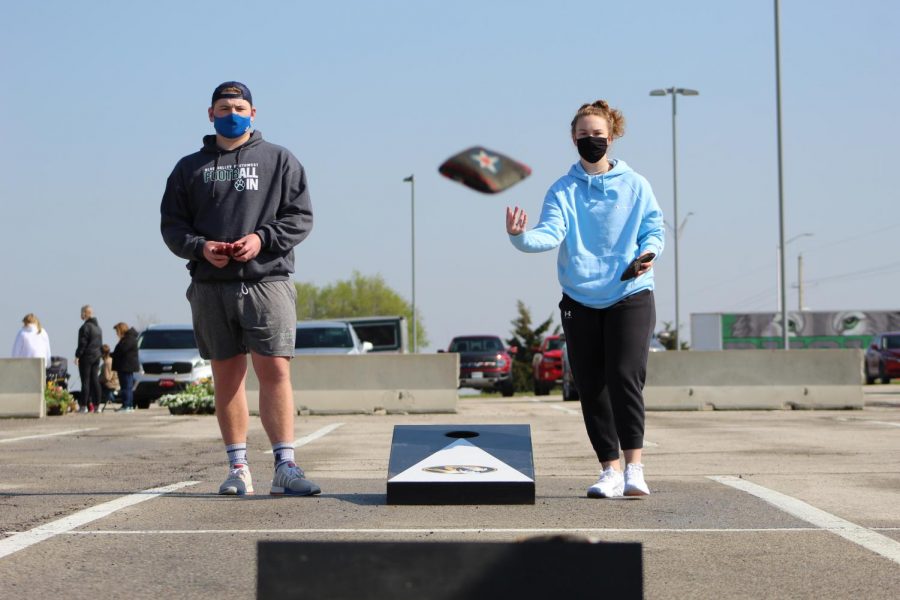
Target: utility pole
800,303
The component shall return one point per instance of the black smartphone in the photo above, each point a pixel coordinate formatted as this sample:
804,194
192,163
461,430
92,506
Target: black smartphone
632,269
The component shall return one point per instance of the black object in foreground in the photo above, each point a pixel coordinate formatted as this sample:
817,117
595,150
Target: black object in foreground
536,568
484,170
632,269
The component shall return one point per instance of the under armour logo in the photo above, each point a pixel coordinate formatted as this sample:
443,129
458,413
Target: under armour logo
567,314
239,184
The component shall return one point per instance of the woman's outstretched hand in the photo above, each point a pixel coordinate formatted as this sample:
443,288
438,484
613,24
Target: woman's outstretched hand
516,220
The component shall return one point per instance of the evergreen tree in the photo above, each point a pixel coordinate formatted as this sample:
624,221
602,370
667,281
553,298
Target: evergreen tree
527,340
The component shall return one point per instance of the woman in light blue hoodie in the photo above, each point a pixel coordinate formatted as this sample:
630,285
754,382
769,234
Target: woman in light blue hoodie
603,216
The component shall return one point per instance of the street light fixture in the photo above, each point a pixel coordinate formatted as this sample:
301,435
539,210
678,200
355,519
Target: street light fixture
412,202
674,91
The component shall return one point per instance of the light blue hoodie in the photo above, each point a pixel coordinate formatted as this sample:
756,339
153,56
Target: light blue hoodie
601,223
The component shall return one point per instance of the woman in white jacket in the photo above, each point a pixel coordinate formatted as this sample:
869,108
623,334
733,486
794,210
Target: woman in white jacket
32,340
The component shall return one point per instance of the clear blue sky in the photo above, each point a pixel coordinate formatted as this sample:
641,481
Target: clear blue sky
102,98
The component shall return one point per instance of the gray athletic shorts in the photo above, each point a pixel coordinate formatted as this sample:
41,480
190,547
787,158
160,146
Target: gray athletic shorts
232,318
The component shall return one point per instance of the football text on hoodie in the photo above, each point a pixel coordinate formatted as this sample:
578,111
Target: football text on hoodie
223,195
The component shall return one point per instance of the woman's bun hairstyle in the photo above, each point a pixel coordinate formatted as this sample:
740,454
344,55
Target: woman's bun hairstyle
614,117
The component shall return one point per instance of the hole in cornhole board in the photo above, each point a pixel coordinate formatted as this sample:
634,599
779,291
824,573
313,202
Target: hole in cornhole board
461,434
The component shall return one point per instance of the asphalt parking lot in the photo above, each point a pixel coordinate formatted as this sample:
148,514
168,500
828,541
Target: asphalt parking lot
749,504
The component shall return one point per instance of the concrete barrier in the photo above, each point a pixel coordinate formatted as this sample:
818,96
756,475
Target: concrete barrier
328,384
754,379
22,387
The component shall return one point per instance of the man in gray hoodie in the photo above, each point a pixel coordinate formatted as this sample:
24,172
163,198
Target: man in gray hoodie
235,210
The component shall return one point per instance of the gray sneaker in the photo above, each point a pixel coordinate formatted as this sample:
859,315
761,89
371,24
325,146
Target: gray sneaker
289,480
239,482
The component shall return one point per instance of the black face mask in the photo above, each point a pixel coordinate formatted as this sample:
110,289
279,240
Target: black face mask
592,149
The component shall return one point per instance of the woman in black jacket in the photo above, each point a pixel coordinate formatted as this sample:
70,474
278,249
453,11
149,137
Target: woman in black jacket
126,363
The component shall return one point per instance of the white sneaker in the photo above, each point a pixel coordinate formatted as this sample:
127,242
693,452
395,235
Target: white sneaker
634,480
610,485
239,482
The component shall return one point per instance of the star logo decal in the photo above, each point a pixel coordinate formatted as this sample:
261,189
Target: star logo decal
486,161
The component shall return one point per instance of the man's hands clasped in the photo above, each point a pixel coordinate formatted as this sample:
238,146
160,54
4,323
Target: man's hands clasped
243,250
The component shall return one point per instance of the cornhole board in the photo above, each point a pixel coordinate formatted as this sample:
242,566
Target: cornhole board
531,568
461,464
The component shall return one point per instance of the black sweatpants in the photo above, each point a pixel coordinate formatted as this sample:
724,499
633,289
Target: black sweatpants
607,350
89,371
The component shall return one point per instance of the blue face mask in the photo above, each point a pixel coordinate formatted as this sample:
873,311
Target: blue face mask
232,126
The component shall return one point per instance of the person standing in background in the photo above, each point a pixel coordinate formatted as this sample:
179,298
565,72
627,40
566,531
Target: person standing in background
87,357
32,340
125,363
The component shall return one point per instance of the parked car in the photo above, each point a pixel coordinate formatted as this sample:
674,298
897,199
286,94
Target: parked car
484,363
328,337
656,345
386,333
170,361
546,366
568,382
882,359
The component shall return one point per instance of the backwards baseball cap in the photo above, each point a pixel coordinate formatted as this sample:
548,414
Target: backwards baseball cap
232,89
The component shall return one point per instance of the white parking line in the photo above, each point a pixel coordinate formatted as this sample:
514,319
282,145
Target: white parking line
880,544
20,541
855,420
569,411
561,530
313,436
884,423
530,531
45,435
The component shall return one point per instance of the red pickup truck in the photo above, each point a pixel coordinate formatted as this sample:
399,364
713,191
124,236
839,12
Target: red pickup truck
546,366
484,363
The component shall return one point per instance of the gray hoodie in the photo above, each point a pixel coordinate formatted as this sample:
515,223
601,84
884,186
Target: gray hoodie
223,195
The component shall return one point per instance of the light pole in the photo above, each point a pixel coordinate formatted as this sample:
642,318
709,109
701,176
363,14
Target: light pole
412,202
781,263
674,91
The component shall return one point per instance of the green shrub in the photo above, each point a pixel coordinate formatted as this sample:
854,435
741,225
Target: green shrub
197,399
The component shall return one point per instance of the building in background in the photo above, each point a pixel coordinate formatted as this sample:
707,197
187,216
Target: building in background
807,329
